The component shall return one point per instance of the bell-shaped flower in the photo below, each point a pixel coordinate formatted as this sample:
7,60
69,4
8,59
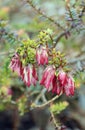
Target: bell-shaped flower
62,77
69,87
16,65
42,55
30,75
47,78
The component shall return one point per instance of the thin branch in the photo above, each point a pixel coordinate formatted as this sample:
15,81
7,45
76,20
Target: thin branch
44,15
41,95
58,38
54,121
47,103
62,34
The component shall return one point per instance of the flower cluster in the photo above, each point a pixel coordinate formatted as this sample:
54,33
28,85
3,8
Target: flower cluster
57,83
27,73
60,83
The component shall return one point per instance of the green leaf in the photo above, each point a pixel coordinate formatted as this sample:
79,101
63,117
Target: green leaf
58,107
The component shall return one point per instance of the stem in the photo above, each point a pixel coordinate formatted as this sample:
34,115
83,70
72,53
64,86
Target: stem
47,103
54,121
44,15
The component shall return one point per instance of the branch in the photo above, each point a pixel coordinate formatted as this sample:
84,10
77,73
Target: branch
47,103
58,39
44,15
41,95
54,121
62,34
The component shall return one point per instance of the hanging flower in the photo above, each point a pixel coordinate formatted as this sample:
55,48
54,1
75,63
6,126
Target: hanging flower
42,55
62,77
16,65
47,78
69,87
30,75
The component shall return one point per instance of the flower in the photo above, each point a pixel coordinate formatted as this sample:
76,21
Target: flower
30,75
16,64
69,87
47,78
42,55
62,77
57,87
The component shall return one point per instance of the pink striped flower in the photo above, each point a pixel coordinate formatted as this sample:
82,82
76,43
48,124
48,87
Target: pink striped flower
42,55
47,78
62,77
69,87
16,65
30,75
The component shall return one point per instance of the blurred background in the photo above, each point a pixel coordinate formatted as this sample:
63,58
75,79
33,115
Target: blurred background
18,20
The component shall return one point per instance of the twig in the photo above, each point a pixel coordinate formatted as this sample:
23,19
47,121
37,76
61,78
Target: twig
44,15
54,121
58,38
62,34
42,93
47,103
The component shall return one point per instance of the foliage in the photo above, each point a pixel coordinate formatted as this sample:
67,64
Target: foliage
58,107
